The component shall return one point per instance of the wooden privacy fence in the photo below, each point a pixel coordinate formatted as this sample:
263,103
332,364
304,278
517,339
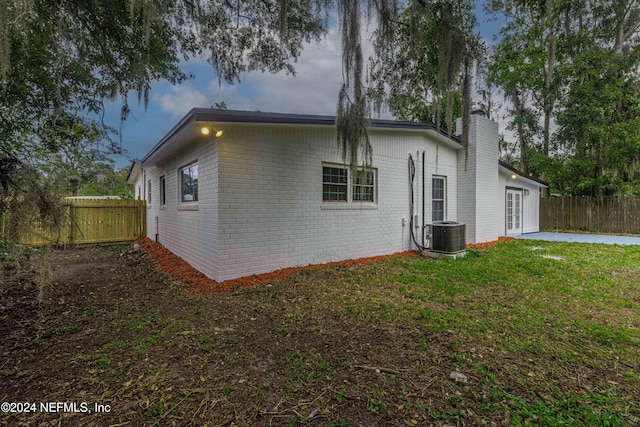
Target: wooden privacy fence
88,222
607,215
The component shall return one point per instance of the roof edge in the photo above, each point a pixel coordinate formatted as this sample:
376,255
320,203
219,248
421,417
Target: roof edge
239,116
188,118
521,174
134,169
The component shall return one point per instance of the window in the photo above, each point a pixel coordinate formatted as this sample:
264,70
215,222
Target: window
334,184
163,194
340,185
438,195
149,191
189,183
363,186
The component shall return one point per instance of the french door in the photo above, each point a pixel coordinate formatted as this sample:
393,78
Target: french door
514,211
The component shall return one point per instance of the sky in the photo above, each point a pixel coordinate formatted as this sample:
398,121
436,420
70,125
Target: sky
313,90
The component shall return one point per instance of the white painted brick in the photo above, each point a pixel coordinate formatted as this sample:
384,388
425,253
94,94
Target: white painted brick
260,207
478,198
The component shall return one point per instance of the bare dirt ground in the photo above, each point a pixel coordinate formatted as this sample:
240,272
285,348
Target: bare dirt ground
52,346
115,331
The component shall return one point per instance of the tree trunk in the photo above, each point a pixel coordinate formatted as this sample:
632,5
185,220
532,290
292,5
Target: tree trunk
522,140
549,99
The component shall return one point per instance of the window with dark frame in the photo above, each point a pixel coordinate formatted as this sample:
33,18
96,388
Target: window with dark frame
363,186
438,195
149,192
163,194
334,184
189,183
339,184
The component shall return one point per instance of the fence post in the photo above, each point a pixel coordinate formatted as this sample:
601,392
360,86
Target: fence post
72,230
143,209
589,212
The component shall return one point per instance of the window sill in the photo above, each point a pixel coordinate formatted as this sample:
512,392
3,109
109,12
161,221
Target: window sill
162,208
188,207
349,206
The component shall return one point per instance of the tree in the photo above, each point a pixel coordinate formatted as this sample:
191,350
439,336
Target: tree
426,75
61,60
422,78
66,58
599,115
600,119
524,66
105,181
576,65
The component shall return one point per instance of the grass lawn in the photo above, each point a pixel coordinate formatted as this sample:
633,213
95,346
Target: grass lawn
544,334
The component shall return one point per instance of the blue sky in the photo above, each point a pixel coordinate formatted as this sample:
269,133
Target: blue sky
314,90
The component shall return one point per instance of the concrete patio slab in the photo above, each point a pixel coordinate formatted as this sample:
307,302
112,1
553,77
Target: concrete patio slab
606,239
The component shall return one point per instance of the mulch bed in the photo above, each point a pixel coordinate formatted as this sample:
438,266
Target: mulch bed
486,245
196,282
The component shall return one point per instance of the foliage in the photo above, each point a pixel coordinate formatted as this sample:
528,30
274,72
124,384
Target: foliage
524,66
352,101
425,76
11,251
60,62
69,57
31,199
105,181
424,54
600,123
575,64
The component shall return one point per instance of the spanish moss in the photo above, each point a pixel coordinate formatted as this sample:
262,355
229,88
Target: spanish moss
351,117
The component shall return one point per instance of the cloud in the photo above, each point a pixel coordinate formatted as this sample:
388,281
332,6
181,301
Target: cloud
312,90
180,99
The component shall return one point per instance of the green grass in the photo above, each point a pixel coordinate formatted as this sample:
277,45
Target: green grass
550,317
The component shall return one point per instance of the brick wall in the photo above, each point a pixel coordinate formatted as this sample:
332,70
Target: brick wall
479,200
190,233
271,210
260,199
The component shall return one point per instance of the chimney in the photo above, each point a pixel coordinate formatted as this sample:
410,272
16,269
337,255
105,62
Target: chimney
479,199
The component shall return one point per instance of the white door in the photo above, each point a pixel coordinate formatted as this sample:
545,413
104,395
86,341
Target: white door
514,212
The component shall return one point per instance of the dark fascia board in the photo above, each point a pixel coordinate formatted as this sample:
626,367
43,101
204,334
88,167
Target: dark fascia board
135,164
234,116
229,116
184,122
520,173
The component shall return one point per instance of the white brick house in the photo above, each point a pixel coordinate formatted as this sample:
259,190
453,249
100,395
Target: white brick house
272,190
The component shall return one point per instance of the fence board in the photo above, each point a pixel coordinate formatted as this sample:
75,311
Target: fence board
606,215
88,222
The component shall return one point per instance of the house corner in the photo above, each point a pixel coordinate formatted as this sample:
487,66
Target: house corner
479,199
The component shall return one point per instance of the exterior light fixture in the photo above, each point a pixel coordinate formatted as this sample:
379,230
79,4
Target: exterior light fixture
206,130
513,176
